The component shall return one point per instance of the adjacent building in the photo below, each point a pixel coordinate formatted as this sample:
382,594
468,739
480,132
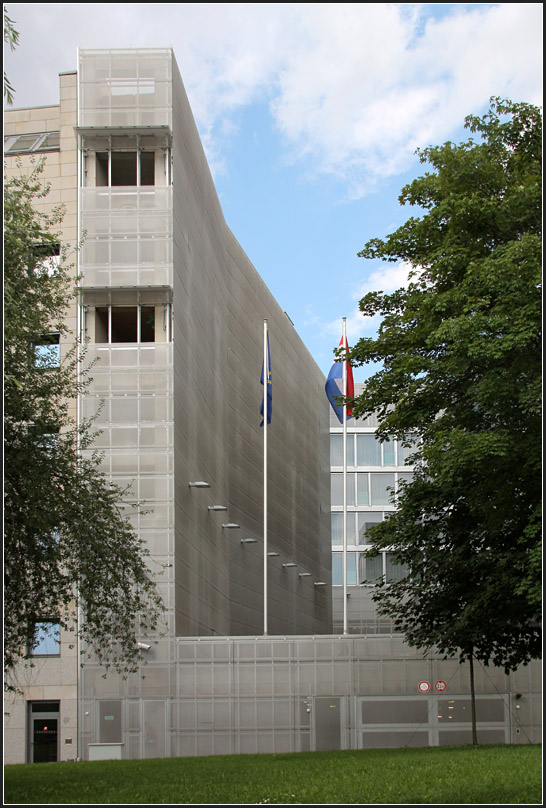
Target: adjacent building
374,471
173,311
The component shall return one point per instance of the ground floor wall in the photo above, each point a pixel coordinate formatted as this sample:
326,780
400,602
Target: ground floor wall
41,707
238,695
291,694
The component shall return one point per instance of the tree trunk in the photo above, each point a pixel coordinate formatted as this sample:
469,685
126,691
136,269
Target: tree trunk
473,701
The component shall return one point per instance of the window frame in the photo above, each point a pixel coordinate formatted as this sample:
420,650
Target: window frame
33,646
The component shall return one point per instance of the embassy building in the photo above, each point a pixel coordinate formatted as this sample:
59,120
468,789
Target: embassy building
173,311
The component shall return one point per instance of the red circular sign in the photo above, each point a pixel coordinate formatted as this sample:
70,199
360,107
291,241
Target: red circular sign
440,686
424,687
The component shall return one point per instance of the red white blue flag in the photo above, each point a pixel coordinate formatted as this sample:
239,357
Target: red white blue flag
334,383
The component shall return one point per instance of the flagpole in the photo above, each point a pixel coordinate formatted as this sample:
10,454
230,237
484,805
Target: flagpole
266,382
344,477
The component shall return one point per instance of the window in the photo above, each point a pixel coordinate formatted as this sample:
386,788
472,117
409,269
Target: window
46,640
371,452
38,142
336,450
365,522
336,481
368,450
394,571
337,529
116,168
404,477
48,351
362,489
124,324
46,258
404,452
370,570
381,487
366,571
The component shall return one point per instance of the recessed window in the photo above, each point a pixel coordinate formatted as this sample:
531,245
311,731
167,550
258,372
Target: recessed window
125,324
126,168
46,639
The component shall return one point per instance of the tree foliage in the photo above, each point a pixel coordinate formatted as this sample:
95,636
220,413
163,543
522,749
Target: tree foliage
461,370
69,544
11,38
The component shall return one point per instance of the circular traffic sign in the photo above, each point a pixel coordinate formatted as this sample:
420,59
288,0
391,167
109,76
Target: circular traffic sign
424,687
440,686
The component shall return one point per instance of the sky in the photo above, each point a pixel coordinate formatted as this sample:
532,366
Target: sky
310,115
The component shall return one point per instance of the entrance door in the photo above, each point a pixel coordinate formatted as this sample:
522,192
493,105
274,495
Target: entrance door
43,719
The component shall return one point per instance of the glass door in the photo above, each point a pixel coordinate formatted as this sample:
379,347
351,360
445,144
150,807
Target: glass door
43,731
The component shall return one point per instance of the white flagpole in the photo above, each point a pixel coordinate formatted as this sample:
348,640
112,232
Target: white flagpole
266,382
344,480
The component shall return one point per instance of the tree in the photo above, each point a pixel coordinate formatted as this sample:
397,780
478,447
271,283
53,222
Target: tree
461,372
11,37
69,544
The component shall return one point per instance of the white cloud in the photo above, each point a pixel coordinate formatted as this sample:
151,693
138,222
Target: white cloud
354,88
386,278
368,86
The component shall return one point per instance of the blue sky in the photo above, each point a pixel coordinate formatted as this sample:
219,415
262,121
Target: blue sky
310,115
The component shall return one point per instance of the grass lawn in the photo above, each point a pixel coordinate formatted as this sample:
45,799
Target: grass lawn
442,775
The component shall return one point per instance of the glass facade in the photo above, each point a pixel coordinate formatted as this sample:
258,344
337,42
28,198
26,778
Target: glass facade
375,473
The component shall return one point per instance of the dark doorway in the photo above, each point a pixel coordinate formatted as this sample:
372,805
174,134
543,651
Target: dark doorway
43,719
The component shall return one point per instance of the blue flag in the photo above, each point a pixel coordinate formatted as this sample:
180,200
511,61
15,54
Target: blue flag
269,387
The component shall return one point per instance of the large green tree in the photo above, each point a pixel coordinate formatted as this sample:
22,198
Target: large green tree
69,547
460,354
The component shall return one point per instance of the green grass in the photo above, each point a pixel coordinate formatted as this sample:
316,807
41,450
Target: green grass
444,775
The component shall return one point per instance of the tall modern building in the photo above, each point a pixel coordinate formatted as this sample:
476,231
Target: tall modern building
173,312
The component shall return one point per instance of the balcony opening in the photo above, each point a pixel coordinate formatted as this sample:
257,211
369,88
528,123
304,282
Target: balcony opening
114,324
124,168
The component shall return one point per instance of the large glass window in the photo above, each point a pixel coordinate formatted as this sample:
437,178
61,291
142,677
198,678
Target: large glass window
368,450
365,522
362,489
381,488
404,452
336,450
336,481
337,529
388,453
337,569
404,477
393,570
366,571
370,570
